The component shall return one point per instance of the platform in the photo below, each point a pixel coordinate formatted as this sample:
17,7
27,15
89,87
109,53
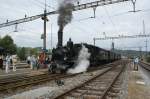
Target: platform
138,86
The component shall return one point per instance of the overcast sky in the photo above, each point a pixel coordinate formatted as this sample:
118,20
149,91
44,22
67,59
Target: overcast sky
112,19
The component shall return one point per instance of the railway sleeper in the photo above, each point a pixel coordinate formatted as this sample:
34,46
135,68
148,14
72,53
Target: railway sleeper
94,89
97,82
100,82
87,93
115,90
116,85
90,97
100,87
90,92
83,97
112,94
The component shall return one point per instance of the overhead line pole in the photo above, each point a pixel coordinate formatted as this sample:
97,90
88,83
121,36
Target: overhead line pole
143,27
51,36
76,8
146,47
123,37
44,34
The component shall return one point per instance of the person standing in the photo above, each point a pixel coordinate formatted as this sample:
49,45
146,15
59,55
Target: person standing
7,63
1,63
14,62
34,61
28,60
31,62
136,62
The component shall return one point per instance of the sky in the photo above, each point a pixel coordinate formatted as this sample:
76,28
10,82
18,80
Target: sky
114,20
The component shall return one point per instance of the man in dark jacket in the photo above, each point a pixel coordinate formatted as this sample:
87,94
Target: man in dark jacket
70,44
1,63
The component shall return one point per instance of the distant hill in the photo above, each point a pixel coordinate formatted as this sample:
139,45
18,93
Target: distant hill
131,53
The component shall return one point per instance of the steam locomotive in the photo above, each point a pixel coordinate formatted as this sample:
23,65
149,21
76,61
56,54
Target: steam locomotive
65,57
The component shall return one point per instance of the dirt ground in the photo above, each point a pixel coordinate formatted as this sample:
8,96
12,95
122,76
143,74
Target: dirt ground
137,89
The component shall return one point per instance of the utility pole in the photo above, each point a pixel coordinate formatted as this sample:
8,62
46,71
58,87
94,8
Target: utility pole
133,2
16,28
113,46
143,27
45,20
146,47
94,41
51,36
140,49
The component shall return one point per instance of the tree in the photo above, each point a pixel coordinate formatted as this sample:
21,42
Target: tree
8,44
34,51
21,53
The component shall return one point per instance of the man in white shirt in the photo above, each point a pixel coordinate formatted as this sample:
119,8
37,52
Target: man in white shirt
136,62
7,63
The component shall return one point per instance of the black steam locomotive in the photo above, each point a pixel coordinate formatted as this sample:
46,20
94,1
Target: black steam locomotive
64,58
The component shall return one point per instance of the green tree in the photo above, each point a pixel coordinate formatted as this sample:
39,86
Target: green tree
34,51
8,44
21,53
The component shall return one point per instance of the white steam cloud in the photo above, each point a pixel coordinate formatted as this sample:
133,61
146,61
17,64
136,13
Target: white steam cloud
82,62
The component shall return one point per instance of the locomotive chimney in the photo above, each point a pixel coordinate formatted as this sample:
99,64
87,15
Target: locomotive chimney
60,37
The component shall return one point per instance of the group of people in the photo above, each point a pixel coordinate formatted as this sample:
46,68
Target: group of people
8,61
11,60
33,62
36,62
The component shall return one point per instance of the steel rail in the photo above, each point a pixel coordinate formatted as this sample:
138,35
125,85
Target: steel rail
145,65
111,84
85,83
25,83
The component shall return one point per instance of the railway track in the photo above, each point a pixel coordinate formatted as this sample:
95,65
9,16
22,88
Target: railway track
11,84
18,78
21,82
145,65
98,87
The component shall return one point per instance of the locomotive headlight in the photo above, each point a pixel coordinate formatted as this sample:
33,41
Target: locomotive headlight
65,58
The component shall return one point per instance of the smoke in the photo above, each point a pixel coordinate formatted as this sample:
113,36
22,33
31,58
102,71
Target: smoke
65,13
82,62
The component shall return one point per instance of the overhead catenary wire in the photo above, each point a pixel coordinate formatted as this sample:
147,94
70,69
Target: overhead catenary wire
37,4
76,8
113,24
85,19
42,3
127,12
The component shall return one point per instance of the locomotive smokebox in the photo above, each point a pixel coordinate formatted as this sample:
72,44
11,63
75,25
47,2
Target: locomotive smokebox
60,38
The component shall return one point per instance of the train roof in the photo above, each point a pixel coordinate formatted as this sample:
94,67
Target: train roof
94,46
91,45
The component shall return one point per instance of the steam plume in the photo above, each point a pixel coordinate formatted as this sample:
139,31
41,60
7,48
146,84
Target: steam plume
82,62
65,13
